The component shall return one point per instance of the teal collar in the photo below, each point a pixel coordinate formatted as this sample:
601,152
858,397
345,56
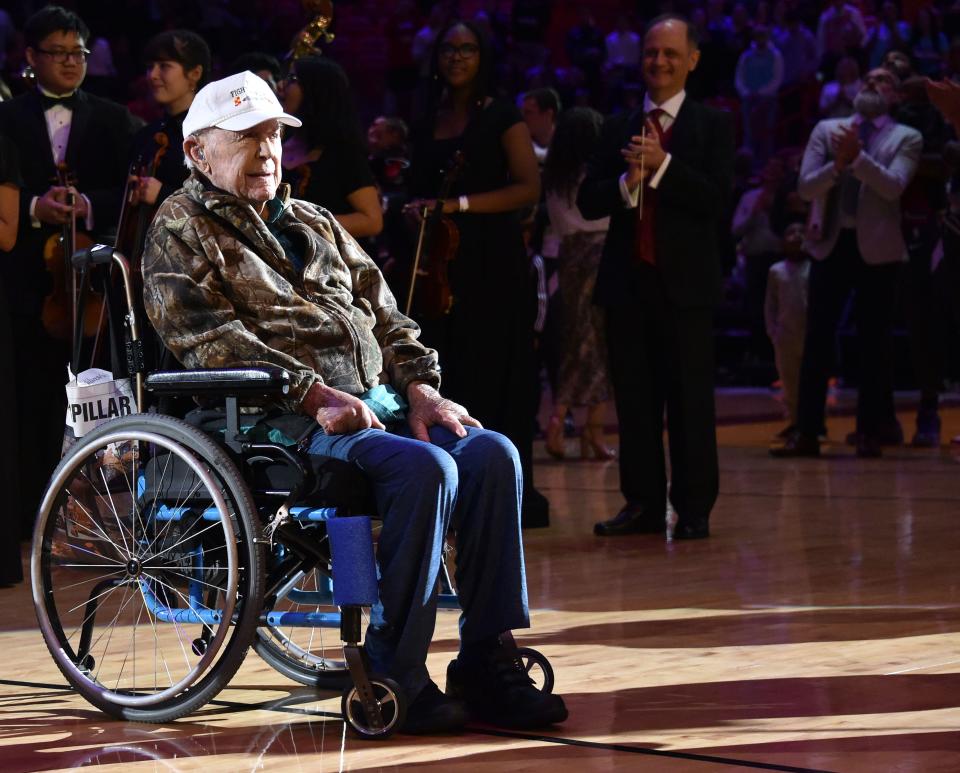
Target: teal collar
275,208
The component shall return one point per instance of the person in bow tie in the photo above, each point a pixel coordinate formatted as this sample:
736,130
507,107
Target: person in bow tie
55,124
855,171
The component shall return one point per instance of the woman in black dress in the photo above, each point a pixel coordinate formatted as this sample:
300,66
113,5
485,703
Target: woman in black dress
325,160
10,569
486,340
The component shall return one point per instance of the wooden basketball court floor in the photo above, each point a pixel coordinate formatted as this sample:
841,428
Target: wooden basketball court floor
817,630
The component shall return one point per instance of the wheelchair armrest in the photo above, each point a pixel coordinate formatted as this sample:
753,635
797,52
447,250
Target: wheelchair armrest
222,381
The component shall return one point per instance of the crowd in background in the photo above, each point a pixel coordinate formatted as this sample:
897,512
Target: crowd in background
777,67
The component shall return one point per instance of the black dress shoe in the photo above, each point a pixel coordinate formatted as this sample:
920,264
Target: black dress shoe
633,520
497,690
797,444
868,446
890,434
535,510
433,712
692,528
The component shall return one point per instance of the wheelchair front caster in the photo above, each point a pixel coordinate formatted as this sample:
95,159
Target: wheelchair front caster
538,668
389,704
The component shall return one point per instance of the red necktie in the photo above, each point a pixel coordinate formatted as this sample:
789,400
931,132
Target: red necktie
654,119
646,247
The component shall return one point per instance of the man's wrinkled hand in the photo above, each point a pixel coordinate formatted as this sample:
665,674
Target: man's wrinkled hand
428,409
338,413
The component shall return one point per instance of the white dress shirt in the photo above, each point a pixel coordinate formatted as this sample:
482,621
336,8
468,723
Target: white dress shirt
670,108
59,119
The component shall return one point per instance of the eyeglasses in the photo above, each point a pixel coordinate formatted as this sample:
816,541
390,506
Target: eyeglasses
60,56
465,51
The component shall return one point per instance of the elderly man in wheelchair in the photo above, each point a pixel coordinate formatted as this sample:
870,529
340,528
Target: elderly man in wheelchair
237,274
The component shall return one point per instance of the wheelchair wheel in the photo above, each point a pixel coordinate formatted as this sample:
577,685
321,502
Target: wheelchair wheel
146,576
538,668
390,702
311,656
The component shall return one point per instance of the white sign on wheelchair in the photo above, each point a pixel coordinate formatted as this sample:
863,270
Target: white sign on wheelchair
94,396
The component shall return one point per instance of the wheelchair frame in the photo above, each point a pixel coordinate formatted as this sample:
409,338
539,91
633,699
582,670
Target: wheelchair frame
222,560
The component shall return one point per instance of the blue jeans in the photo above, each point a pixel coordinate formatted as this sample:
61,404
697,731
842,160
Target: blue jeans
471,486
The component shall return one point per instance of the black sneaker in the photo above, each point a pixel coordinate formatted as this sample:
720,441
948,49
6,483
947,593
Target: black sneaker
499,692
433,712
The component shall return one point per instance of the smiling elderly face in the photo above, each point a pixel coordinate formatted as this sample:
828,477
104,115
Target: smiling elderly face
244,163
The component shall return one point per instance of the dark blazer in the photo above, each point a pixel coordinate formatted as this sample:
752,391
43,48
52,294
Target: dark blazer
692,197
97,154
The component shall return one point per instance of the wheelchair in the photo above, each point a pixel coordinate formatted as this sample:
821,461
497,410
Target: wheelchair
164,549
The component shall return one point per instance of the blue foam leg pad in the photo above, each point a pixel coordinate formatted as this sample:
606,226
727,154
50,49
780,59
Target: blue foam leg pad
354,567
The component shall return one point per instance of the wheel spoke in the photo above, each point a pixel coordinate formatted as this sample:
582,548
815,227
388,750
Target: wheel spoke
93,520
111,568
113,508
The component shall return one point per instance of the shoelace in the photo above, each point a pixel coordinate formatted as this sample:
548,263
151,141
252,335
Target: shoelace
509,668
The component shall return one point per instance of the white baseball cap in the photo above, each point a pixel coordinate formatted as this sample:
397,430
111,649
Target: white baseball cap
235,103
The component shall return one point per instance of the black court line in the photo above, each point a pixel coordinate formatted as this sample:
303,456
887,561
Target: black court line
615,747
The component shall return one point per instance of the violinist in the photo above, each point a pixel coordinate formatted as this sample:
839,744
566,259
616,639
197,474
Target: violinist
178,64
55,123
486,339
325,160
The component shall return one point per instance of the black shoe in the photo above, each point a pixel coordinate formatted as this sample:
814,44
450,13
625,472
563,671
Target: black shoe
890,434
797,444
535,511
433,712
786,432
633,519
928,430
692,528
868,446
498,691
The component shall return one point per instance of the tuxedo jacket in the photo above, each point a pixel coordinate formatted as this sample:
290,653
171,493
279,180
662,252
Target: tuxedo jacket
691,198
97,156
884,169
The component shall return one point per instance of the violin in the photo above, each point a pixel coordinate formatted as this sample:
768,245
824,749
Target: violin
60,306
132,230
429,296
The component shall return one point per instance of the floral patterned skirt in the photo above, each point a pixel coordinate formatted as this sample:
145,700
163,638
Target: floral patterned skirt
583,378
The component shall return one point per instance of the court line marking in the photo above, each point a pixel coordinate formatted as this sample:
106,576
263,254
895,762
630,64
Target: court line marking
271,706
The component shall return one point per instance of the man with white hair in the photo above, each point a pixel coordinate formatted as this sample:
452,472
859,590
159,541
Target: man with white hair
855,171
236,273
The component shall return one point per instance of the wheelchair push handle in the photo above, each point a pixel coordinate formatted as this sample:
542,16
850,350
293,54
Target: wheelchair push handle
97,255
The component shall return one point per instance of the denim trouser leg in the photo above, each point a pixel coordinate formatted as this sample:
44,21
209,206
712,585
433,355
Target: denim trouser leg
416,489
490,577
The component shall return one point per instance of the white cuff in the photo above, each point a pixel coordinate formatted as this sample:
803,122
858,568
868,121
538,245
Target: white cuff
630,198
88,220
655,180
34,220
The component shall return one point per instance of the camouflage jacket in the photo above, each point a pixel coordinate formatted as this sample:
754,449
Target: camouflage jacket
221,292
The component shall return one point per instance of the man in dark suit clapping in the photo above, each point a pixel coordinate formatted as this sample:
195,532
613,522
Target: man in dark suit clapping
55,125
663,175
